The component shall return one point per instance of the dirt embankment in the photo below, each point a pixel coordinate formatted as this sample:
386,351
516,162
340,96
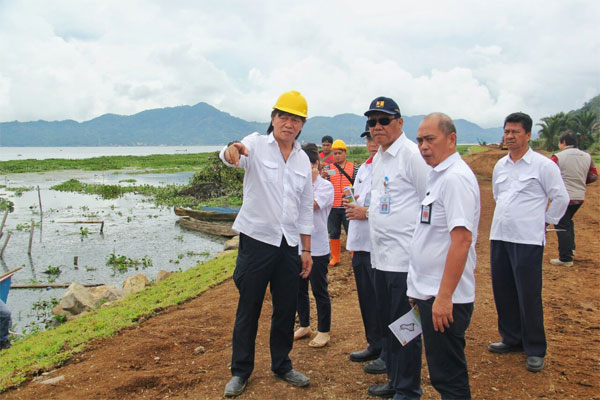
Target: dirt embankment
157,360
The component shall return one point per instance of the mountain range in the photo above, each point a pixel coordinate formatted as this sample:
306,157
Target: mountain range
201,124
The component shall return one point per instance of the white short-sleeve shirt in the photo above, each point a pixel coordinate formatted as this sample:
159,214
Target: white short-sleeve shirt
453,200
323,195
392,233
521,191
358,230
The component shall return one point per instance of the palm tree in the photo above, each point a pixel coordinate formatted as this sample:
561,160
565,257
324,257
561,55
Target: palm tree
551,128
585,125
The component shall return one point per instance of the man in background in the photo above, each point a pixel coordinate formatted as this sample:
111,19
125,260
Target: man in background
364,275
522,183
341,174
577,170
326,156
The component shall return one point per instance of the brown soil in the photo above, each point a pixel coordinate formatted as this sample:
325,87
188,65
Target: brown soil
156,359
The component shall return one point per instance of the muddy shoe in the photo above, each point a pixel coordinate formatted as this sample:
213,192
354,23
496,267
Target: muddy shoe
295,378
535,364
556,261
376,367
235,386
384,390
364,355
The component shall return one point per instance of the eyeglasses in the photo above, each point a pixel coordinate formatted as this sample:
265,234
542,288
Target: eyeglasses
383,121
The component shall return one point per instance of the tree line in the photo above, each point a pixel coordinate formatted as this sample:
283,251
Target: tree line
585,123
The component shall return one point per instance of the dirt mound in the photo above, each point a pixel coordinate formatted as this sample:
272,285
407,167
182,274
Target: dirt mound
482,164
156,359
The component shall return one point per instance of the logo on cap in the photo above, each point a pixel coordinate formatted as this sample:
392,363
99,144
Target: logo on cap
380,104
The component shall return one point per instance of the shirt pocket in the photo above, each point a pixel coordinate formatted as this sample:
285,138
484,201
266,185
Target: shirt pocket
269,171
527,184
299,181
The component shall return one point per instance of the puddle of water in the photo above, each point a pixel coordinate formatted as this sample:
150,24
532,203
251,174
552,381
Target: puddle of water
133,227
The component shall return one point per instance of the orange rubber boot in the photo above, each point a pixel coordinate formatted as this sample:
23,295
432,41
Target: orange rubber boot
336,248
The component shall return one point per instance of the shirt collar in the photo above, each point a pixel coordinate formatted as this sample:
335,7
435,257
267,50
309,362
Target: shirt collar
451,159
395,147
526,157
295,147
370,160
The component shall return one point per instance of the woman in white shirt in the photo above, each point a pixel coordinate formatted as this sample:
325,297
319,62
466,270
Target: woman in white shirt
323,200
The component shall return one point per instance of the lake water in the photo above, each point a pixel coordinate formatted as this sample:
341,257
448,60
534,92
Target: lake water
42,153
133,227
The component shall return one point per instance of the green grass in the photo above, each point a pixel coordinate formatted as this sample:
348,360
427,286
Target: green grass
153,163
464,149
45,350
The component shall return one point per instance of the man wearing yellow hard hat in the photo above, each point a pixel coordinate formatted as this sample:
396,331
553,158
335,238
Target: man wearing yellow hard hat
276,215
341,174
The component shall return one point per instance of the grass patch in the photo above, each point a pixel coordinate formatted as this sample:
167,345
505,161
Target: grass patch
153,163
464,149
48,349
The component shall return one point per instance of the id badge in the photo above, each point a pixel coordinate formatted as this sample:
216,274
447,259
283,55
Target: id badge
367,201
426,213
384,204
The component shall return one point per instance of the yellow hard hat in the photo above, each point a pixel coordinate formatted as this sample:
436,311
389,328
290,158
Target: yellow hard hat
292,102
338,144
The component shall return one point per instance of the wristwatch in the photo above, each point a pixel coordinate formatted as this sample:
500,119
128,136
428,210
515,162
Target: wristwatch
367,214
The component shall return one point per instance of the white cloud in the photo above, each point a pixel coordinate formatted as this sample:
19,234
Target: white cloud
472,60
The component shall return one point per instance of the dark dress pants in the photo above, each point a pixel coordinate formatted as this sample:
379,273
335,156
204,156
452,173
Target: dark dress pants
335,221
566,239
318,284
517,286
259,264
364,275
403,362
445,352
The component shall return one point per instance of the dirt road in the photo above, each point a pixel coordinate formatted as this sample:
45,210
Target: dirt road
157,359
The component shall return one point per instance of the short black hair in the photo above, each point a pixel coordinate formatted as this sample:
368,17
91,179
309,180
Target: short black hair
327,139
568,138
312,151
280,113
522,118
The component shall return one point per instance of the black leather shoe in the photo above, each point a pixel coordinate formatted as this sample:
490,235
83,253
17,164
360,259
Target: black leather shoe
235,386
295,378
5,344
502,348
376,367
535,364
364,355
384,390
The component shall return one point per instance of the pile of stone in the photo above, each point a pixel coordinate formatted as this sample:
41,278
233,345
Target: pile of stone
78,299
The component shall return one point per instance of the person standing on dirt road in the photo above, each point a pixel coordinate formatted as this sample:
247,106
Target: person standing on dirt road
522,183
578,170
341,174
397,187
364,275
441,275
277,213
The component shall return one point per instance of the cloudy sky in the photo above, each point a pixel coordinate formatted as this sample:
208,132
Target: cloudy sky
476,60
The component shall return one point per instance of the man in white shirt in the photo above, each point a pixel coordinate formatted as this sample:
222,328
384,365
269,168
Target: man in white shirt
359,243
441,279
275,214
523,181
397,187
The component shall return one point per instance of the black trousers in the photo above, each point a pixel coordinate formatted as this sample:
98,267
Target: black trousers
403,362
258,265
318,284
335,221
566,239
445,352
364,275
517,286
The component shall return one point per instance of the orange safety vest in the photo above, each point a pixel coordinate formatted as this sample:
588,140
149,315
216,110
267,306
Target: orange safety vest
339,182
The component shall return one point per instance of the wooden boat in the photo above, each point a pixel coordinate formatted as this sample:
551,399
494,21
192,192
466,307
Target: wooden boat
222,228
209,213
5,280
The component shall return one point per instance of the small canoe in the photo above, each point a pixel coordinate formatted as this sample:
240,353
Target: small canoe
209,213
221,228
